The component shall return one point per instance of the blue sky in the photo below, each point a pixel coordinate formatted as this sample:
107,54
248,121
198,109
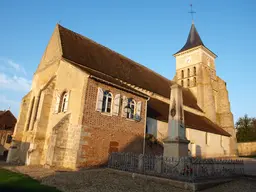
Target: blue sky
148,32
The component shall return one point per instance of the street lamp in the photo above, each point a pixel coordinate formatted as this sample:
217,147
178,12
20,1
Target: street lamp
127,109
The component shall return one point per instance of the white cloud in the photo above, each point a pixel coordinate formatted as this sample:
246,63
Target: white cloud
13,76
11,66
6,103
16,66
5,100
14,83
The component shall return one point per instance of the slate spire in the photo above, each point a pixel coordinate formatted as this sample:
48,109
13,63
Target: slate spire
193,40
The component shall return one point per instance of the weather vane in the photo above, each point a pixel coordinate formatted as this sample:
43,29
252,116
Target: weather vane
192,12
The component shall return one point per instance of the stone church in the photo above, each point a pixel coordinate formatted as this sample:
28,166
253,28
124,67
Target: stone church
87,101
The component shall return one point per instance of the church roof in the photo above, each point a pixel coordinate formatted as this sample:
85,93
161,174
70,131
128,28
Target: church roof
106,79
160,111
85,52
193,40
7,120
106,64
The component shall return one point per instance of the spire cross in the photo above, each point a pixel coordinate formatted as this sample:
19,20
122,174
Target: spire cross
192,12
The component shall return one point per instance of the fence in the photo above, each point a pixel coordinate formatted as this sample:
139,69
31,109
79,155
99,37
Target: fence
184,168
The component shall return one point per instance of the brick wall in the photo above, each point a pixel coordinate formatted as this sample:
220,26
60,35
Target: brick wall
102,134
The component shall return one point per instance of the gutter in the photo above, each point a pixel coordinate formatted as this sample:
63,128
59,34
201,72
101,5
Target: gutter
117,86
144,137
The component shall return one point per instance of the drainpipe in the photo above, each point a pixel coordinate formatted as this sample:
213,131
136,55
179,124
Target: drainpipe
144,137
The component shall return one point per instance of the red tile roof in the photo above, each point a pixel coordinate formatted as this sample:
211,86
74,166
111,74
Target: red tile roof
84,52
7,120
160,111
111,66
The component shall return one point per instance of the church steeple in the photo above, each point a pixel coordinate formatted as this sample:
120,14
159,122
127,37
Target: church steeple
193,39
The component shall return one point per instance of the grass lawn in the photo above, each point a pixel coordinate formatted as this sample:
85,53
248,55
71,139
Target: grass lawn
12,182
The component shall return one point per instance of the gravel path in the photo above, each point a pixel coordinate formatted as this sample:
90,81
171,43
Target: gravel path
109,181
106,180
241,185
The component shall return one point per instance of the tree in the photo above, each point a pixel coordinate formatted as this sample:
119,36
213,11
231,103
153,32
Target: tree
246,129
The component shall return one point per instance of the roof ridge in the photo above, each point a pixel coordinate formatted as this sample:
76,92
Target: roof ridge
124,57
3,112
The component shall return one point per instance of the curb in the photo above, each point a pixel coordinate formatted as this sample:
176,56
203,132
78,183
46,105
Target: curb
175,183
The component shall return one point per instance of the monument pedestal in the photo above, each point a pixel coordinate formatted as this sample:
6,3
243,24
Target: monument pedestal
176,148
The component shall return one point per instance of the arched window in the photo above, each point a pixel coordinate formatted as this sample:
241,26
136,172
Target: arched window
107,102
182,83
182,74
188,72
30,113
63,107
188,83
132,105
194,81
194,70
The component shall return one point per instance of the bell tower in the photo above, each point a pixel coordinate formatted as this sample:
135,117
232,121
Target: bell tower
195,69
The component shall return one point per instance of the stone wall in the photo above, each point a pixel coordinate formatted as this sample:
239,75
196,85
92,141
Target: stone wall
21,121
59,141
211,92
216,146
73,80
52,52
204,144
47,82
105,133
224,115
247,149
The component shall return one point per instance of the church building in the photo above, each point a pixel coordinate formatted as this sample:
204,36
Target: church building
87,101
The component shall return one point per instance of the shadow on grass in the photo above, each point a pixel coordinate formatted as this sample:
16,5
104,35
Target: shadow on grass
12,182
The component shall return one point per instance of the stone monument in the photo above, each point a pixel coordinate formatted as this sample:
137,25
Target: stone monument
176,143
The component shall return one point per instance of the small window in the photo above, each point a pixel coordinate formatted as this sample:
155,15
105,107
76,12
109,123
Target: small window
188,72
9,139
206,138
188,83
107,102
182,74
182,83
131,112
64,102
194,81
194,70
